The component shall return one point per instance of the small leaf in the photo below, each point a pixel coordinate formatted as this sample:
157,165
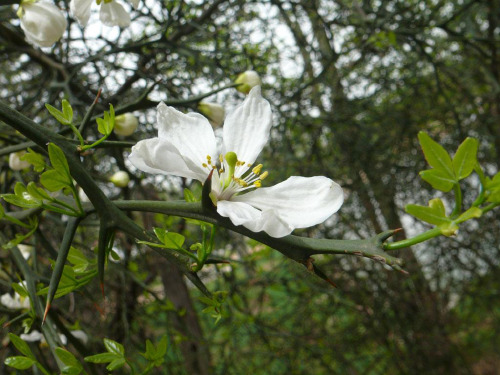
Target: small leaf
57,114
35,159
58,160
170,239
21,290
438,179
116,364
19,362
53,180
189,196
67,111
436,155
68,359
428,214
21,345
36,192
114,347
449,229
466,158
471,213
101,358
21,202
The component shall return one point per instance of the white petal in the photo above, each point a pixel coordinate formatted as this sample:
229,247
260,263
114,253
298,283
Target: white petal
81,10
135,3
239,213
246,129
299,201
191,134
43,23
113,14
251,218
158,155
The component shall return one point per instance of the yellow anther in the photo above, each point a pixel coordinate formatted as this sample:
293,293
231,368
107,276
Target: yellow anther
221,158
256,170
264,175
249,165
205,165
258,183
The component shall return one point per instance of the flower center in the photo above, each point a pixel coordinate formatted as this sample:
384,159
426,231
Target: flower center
232,176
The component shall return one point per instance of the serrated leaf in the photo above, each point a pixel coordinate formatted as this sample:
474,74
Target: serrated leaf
67,111
101,358
114,347
19,362
436,155
471,213
57,114
438,179
53,180
428,214
466,158
21,345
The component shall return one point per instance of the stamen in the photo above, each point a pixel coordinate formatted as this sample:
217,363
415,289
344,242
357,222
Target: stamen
264,175
258,183
256,170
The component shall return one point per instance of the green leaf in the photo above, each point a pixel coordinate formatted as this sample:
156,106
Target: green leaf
449,229
19,362
430,214
20,202
79,260
114,347
471,213
189,196
436,155
21,290
67,111
58,160
116,364
37,192
57,114
69,360
170,239
466,158
70,370
35,159
21,345
54,181
101,358
105,126
438,179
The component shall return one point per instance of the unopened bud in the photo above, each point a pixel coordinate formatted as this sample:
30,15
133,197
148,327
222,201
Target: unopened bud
248,80
120,179
15,162
214,112
125,124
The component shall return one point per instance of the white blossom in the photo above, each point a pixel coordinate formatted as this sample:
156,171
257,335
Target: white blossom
120,179
247,81
111,13
186,146
214,112
42,22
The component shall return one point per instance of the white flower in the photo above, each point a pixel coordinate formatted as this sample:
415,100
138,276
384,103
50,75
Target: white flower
15,162
247,80
112,13
125,124
186,146
80,335
26,250
16,302
120,179
42,22
35,335
214,112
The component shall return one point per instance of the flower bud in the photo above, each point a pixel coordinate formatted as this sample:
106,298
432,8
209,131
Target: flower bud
247,81
120,179
15,162
214,112
26,250
42,22
125,124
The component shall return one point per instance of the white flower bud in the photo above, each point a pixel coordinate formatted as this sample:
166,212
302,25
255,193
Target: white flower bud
15,162
125,124
120,179
214,112
247,81
42,22
26,250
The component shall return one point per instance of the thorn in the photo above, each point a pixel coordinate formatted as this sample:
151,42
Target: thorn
403,271
47,308
97,96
